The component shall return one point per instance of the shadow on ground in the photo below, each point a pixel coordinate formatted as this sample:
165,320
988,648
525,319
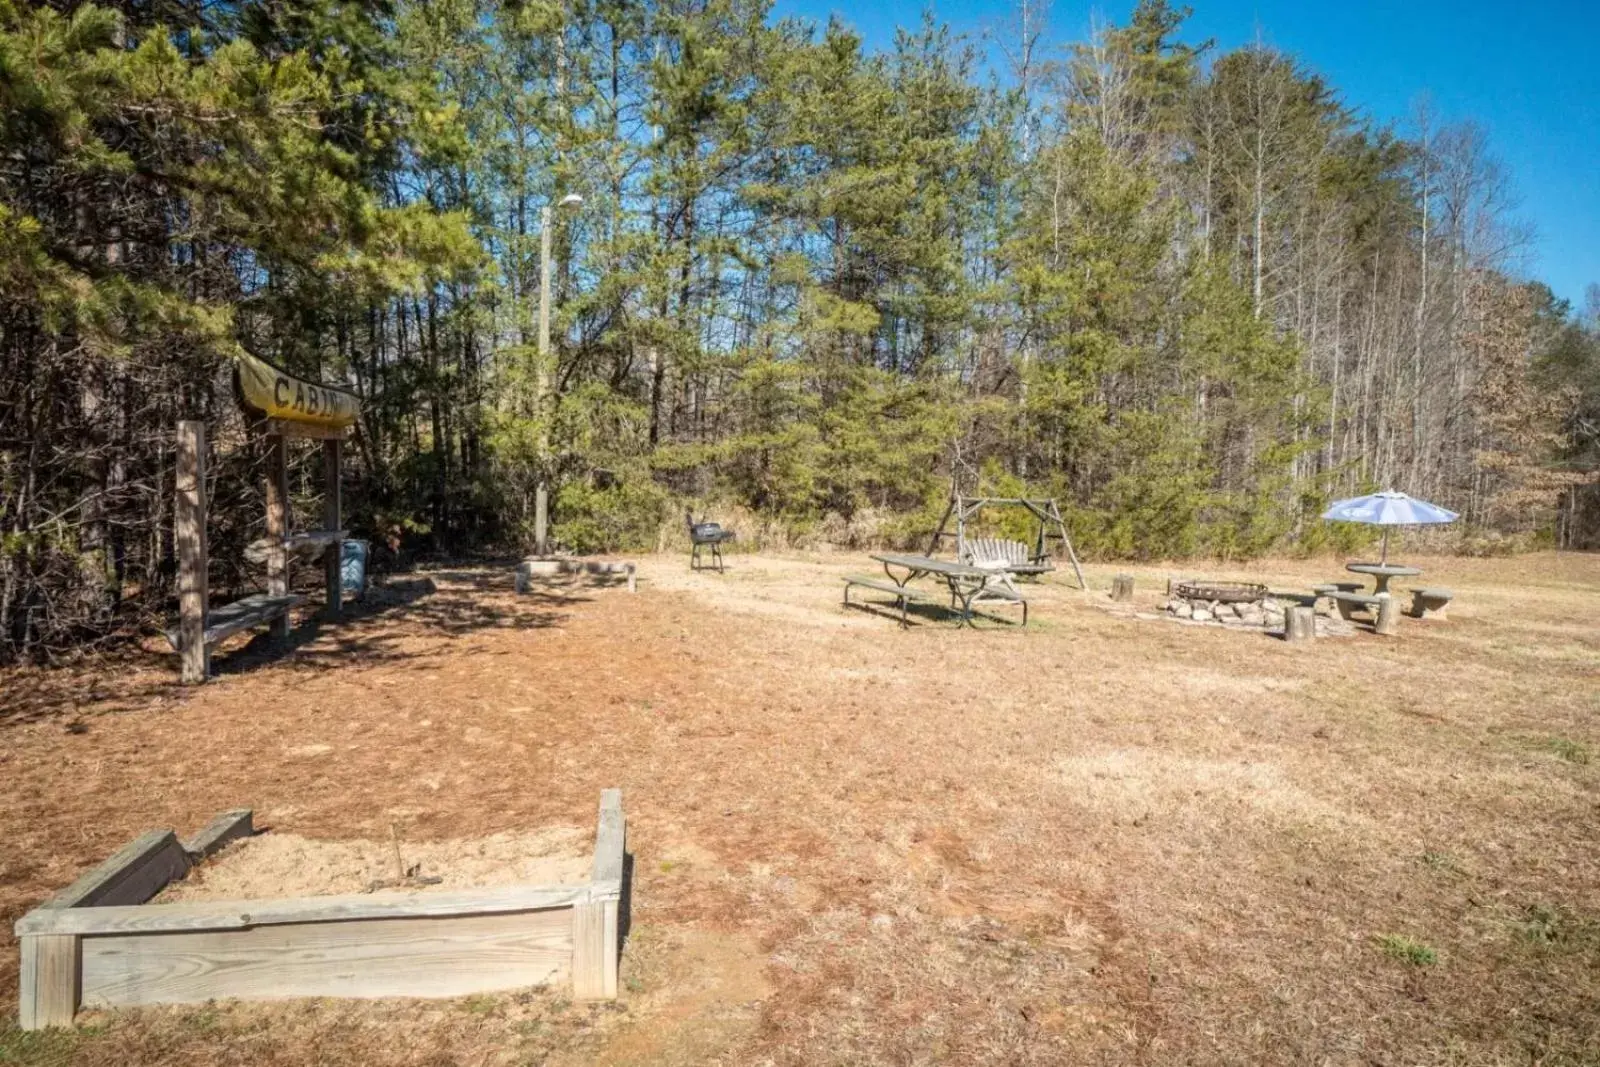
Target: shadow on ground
383,626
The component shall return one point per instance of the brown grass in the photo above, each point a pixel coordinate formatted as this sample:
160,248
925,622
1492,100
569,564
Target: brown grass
1099,840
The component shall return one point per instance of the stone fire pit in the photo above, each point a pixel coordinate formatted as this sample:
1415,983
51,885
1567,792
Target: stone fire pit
1227,603
1238,605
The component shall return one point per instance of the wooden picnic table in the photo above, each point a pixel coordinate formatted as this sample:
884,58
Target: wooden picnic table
968,584
1382,573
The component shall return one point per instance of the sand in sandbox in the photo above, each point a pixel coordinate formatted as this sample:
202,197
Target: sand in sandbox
287,865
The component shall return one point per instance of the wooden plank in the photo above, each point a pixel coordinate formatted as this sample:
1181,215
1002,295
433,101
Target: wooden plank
332,508
229,826
48,987
610,842
244,914
277,528
189,517
885,586
134,873
612,946
244,614
314,537
437,957
595,947
589,959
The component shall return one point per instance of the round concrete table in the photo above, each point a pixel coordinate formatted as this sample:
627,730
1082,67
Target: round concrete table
1382,573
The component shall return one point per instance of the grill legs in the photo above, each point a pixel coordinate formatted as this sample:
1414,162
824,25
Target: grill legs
716,555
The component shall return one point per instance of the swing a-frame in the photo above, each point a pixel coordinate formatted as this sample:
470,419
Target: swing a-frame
279,406
964,509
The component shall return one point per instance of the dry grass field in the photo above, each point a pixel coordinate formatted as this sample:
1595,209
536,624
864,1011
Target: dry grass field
1099,840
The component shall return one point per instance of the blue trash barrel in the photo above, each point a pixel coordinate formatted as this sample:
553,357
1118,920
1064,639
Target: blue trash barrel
353,569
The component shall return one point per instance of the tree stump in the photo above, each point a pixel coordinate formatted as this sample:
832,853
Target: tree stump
1300,624
1387,616
1122,587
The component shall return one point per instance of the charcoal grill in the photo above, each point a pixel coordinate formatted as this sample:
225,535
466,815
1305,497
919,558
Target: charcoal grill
706,535
1222,592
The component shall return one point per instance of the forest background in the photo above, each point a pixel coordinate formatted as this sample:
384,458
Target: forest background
1190,293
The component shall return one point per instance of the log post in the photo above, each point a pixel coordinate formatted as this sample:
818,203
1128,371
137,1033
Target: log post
332,519
1122,587
1300,623
278,526
596,948
1387,617
48,984
190,516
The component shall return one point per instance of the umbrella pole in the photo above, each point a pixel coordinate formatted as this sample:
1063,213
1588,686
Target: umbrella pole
1385,558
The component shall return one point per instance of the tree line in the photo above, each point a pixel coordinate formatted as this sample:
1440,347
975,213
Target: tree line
1191,293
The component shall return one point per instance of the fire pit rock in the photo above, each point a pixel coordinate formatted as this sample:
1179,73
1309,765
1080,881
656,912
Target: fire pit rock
1225,603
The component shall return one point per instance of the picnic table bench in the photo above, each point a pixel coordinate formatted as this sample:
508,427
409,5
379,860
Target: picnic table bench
1381,605
243,614
904,595
1425,602
969,584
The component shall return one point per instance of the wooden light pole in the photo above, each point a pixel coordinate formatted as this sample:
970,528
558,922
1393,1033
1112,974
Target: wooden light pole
541,492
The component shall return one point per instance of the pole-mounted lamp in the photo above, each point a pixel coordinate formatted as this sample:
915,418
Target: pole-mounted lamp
541,495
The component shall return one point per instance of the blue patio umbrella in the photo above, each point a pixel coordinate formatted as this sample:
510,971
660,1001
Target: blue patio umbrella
1387,509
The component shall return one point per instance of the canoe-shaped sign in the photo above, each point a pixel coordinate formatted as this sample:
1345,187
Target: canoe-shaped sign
277,394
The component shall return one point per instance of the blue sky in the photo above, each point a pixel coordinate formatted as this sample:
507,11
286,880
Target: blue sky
1525,71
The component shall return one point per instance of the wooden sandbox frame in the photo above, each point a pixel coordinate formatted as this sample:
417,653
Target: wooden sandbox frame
98,944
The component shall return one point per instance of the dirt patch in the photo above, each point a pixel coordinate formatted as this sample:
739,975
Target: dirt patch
1093,840
288,865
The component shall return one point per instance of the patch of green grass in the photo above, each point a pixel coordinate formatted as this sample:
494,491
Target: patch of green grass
1557,927
1541,924
37,1048
203,1020
667,865
1571,751
1407,950
480,1004
633,984
1442,861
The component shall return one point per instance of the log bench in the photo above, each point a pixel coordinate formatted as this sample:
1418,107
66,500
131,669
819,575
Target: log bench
1430,602
1382,609
904,595
242,614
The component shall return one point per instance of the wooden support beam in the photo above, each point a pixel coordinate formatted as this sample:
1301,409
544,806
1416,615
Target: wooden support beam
277,526
331,520
49,990
610,843
190,520
596,950
939,531
135,872
229,826
446,956
244,914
